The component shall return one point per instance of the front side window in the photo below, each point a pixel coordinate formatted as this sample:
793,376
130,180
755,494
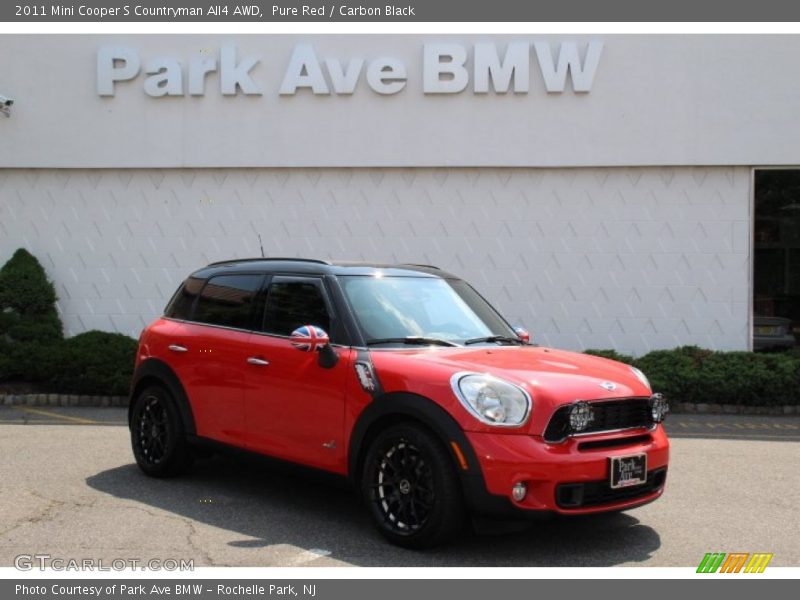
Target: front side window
227,300
428,307
294,303
180,307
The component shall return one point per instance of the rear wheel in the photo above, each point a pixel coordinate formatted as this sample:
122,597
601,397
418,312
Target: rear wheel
157,436
411,488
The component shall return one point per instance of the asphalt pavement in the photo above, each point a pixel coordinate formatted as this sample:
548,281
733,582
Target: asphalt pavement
69,488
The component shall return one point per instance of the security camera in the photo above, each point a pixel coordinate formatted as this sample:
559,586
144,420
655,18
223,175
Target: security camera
5,105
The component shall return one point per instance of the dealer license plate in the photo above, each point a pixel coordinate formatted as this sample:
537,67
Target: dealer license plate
628,470
765,330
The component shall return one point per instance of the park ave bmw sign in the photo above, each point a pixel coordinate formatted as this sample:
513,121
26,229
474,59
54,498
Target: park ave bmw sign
447,68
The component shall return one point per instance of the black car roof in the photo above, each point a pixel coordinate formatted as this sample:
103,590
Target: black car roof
310,266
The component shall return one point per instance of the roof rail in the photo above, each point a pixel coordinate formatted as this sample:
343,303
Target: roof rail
276,258
421,265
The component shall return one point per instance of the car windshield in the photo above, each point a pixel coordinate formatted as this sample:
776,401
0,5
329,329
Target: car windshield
422,309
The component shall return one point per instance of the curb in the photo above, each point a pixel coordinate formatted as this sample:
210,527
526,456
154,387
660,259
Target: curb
62,400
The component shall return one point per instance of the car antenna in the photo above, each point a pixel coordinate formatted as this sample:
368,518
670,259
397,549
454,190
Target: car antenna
261,244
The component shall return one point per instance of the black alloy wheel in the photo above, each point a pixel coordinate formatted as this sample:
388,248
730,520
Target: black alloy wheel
157,435
411,488
403,487
151,431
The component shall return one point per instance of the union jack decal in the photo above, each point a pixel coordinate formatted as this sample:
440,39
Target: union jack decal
309,338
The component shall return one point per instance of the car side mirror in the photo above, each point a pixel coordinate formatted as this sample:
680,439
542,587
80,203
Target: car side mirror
523,334
310,338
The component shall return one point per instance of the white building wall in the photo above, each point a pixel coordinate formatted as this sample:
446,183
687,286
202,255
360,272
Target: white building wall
629,258
654,100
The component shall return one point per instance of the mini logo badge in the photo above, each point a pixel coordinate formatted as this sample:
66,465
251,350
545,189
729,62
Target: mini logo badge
607,385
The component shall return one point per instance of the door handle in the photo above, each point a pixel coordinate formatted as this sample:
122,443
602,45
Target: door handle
255,360
178,348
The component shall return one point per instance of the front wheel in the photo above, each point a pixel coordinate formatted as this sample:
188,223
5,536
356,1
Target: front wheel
411,488
157,436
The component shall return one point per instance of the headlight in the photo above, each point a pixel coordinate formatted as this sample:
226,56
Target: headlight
659,407
491,400
642,377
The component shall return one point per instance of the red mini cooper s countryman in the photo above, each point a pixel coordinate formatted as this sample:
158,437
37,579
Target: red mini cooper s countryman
401,378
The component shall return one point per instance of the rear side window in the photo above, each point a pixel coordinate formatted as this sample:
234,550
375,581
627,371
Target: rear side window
180,307
292,304
227,300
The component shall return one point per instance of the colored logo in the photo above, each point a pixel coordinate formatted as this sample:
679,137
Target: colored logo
735,562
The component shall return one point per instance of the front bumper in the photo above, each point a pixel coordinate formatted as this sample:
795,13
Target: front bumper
567,478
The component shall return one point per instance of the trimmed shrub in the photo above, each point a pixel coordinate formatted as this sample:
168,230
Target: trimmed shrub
32,344
29,322
612,355
93,363
692,374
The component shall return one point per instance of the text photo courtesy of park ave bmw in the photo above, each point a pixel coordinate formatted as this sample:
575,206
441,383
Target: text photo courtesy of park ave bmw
281,300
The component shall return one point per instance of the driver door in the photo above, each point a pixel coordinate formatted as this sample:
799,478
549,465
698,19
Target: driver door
294,408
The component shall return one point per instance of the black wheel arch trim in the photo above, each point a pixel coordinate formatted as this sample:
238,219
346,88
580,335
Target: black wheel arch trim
158,372
433,416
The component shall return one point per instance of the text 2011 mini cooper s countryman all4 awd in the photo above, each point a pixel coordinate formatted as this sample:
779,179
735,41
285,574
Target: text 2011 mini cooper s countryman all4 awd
401,378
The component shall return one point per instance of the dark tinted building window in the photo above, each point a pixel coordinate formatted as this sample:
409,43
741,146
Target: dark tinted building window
180,307
227,300
292,304
776,267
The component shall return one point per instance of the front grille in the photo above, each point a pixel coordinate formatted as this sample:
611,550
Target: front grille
595,493
608,416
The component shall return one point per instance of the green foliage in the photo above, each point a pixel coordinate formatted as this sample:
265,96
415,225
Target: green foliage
93,363
32,344
612,355
24,286
29,322
692,374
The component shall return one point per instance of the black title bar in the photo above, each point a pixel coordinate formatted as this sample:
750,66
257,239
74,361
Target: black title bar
469,11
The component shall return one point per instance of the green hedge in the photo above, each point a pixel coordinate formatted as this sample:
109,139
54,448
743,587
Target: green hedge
32,345
93,363
692,374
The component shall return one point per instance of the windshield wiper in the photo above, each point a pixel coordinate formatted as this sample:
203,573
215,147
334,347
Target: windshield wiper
411,340
494,338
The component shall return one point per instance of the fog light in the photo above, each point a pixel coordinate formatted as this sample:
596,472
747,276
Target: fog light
580,415
519,491
659,407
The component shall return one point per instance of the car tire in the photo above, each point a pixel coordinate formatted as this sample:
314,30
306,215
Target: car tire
157,436
411,488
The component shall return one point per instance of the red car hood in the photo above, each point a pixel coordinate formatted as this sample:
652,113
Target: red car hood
552,377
